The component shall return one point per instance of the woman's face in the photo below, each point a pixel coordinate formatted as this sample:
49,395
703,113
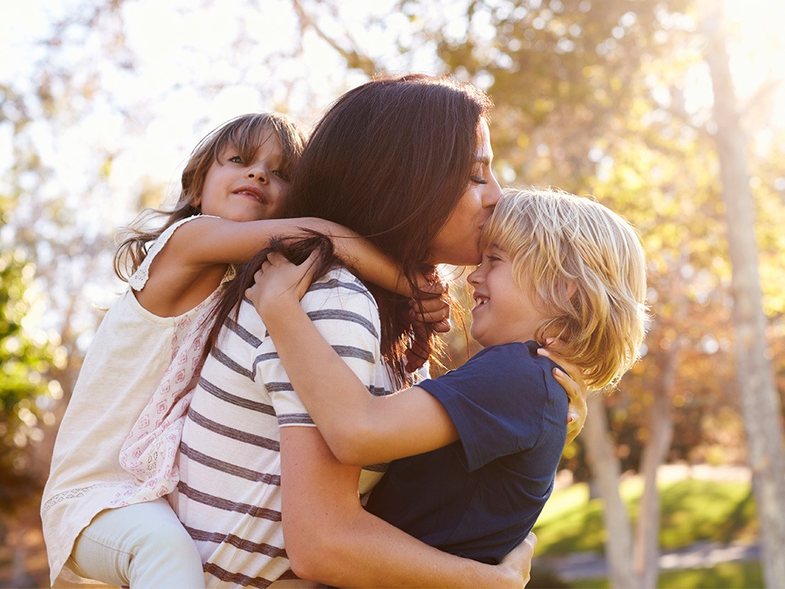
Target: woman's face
457,242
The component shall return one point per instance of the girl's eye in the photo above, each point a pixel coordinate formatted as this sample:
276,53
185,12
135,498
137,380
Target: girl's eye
282,175
236,159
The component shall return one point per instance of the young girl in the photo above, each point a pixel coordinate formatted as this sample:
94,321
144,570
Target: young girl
475,451
105,523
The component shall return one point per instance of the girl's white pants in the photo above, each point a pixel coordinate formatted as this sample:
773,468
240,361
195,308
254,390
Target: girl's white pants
142,546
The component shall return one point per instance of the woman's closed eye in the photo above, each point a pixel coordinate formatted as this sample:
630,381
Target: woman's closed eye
478,177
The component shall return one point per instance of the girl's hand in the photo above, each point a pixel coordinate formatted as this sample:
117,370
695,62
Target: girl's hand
576,392
519,561
278,280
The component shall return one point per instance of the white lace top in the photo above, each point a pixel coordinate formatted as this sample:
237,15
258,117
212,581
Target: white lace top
132,351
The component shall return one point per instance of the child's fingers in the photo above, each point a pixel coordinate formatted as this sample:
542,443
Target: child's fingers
441,326
429,311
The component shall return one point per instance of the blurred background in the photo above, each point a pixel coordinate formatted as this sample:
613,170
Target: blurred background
670,112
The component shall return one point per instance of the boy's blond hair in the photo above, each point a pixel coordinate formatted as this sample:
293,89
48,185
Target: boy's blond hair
585,265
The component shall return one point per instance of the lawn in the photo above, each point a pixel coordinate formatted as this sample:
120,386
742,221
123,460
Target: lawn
692,511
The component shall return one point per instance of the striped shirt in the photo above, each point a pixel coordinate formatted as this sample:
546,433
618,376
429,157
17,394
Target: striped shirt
229,495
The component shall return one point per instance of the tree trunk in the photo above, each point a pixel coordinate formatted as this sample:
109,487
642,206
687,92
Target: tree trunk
760,403
647,532
606,472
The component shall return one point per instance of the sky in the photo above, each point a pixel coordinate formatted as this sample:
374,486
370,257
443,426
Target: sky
177,48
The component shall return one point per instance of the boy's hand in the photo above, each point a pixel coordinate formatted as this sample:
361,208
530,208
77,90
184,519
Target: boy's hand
278,280
572,382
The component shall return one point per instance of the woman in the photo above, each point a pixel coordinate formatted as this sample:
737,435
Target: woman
406,162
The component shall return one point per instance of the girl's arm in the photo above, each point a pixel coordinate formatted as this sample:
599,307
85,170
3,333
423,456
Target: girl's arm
211,240
331,539
195,258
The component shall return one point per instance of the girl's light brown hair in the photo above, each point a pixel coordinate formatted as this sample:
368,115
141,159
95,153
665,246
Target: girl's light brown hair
586,267
246,133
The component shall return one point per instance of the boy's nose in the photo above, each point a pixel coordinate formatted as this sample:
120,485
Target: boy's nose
472,278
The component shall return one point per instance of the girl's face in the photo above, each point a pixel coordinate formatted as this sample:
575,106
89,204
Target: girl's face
246,190
457,242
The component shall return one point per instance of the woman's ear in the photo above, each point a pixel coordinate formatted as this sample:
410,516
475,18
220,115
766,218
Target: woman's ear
572,288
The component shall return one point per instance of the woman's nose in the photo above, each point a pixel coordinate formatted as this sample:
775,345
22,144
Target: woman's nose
492,194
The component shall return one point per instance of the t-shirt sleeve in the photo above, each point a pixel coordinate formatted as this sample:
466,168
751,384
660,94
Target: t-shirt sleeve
496,402
346,315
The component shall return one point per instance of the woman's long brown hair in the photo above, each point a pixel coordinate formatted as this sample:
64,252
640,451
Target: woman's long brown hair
296,250
390,160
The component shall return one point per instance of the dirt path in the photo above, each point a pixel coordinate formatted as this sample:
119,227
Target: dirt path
587,565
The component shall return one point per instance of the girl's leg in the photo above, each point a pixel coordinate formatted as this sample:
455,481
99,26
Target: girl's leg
141,546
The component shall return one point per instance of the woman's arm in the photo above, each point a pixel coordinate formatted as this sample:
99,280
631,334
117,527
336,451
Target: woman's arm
331,539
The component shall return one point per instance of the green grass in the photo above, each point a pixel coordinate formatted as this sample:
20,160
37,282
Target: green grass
727,575
692,511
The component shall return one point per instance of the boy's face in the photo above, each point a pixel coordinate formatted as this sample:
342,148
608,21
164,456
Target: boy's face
503,312
246,190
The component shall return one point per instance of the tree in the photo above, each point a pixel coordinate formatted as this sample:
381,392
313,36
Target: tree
761,404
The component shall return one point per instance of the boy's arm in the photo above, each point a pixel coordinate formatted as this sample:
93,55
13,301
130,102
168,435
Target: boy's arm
358,427
330,538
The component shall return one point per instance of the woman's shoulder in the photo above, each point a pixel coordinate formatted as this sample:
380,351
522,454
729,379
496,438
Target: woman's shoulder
339,283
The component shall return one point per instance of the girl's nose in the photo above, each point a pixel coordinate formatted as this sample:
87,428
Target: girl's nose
258,173
473,277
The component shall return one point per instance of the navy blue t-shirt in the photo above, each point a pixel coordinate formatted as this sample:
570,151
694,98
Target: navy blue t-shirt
480,496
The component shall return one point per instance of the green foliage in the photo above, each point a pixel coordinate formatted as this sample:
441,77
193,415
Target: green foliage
23,381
